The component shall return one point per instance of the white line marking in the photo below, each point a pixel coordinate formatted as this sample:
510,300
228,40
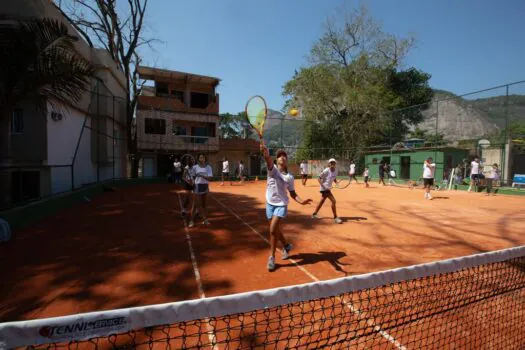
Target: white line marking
211,333
353,309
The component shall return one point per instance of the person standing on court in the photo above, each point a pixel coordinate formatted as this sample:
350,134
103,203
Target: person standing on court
304,171
428,176
326,178
351,173
278,183
474,173
382,173
225,171
177,171
202,173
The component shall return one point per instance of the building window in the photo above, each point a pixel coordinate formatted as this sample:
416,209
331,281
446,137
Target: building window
211,129
179,130
155,126
17,121
162,89
178,95
199,100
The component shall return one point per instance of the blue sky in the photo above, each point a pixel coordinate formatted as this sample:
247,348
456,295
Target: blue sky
254,46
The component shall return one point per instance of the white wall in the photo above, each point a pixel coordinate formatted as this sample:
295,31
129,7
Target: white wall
62,138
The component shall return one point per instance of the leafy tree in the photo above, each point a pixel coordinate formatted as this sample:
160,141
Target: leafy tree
353,83
120,30
234,125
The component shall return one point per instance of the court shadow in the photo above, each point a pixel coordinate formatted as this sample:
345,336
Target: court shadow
437,198
333,258
354,218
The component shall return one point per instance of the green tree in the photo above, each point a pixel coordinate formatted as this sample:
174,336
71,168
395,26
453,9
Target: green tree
41,66
353,84
234,125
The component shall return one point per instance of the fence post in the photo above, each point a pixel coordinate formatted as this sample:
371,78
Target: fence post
504,173
98,132
113,138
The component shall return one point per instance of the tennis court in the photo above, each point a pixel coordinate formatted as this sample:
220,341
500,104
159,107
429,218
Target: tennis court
130,248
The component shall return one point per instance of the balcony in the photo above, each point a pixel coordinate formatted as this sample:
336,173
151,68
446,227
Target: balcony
172,104
178,143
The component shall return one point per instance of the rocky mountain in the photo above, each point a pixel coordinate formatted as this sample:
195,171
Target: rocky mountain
457,118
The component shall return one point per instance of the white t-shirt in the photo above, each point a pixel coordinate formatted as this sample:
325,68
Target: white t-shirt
187,174
241,169
327,177
428,170
198,170
474,166
276,187
365,173
177,167
225,167
304,168
352,169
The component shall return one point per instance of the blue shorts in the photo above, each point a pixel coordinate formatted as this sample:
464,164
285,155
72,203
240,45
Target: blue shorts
201,188
274,210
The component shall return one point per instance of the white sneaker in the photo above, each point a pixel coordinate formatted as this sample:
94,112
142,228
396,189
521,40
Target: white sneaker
271,263
429,197
315,216
206,222
191,224
338,221
287,249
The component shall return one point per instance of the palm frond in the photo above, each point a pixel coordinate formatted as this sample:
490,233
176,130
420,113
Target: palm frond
41,62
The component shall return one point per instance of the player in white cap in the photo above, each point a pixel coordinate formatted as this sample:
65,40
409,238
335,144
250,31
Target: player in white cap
326,178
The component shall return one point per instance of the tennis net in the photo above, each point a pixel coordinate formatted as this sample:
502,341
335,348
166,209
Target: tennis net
476,301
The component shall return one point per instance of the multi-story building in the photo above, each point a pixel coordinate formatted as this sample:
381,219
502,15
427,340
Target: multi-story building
178,115
73,144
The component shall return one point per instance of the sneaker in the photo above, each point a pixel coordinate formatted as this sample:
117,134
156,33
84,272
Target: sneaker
429,197
315,216
287,249
206,222
338,221
191,224
271,263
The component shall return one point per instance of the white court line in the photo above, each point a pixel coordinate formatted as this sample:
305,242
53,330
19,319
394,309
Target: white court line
353,309
211,333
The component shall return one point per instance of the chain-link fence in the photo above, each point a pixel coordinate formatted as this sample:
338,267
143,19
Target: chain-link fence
65,147
87,144
452,129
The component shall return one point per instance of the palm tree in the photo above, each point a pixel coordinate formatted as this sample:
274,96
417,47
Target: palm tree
38,63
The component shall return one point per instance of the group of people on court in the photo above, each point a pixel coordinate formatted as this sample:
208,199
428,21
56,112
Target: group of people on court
195,180
280,186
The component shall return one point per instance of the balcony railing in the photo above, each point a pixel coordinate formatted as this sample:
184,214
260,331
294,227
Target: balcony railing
173,104
178,143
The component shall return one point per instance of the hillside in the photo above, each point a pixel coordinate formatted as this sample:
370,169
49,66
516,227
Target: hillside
494,108
458,118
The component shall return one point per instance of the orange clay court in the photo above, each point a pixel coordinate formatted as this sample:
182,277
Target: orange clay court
129,247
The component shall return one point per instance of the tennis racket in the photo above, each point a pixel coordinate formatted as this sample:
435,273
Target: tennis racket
342,184
256,113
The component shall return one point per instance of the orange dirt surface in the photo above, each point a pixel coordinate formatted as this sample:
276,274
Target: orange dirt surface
129,247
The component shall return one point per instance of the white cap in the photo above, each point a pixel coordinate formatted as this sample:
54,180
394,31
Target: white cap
332,160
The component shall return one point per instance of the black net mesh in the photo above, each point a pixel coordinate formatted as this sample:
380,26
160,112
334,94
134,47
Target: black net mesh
475,308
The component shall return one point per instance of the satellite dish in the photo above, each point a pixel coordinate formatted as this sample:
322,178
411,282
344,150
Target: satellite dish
484,143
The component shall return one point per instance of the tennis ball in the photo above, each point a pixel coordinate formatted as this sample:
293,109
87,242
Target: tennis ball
294,112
